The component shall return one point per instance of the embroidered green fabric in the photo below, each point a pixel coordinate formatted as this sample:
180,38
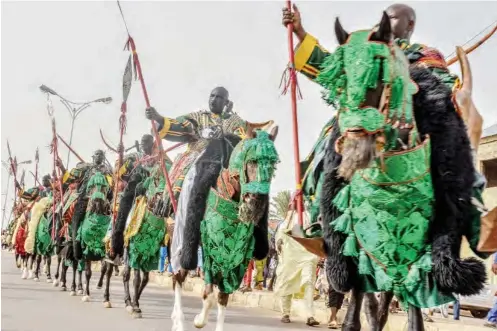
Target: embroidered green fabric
43,239
385,208
260,150
92,231
227,243
144,247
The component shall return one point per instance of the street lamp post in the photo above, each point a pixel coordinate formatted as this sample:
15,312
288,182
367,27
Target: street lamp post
74,108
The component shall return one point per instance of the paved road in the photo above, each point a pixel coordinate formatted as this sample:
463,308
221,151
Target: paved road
32,306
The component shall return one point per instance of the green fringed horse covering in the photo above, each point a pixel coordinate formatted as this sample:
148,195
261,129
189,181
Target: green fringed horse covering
227,244
43,239
144,247
386,208
91,235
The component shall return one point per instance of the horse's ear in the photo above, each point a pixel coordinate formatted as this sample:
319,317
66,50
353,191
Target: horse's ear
341,34
384,31
250,133
274,133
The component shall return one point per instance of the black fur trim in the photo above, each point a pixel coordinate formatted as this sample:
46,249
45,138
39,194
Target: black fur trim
342,272
125,205
208,167
261,249
453,174
77,219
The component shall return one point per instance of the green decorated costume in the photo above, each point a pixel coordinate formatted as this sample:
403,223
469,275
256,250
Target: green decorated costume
146,232
386,208
92,231
43,241
227,239
312,168
310,59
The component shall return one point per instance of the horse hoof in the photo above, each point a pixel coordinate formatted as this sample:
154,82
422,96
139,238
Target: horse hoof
73,293
99,287
107,304
30,274
85,298
129,309
198,322
136,314
49,280
36,279
80,292
24,274
56,283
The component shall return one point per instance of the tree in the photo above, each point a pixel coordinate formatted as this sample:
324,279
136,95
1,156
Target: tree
279,205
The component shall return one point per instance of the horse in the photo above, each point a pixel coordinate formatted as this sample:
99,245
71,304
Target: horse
228,212
398,179
139,232
90,222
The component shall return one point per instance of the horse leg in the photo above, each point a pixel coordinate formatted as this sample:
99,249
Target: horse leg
177,316
371,307
37,268
137,313
63,276
385,300
86,297
74,272
108,274
24,262
415,319
222,302
143,283
352,320
116,270
48,264
103,271
127,296
18,264
80,279
31,260
56,277
201,319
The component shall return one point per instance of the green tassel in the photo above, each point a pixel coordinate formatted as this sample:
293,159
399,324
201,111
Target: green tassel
98,179
341,200
343,223
413,278
365,266
425,263
383,281
98,195
350,246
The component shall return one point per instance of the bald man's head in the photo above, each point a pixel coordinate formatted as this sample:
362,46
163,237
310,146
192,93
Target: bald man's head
402,19
218,99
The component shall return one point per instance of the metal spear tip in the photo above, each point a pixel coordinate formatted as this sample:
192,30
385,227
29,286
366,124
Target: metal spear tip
26,162
104,100
47,89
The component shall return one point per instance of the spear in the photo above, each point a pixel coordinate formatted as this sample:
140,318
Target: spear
67,145
127,78
131,44
13,168
293,94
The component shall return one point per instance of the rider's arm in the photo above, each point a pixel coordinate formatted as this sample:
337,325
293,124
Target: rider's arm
309,56
180,129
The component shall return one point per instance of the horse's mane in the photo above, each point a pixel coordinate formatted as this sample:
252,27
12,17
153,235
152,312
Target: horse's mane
453,175
208,166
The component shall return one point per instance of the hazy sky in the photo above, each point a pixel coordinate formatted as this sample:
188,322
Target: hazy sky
186,49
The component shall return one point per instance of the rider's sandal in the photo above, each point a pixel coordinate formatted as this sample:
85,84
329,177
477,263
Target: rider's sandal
334,325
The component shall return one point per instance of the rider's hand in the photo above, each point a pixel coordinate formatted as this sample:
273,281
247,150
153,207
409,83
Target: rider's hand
120,148
295,19
494,268
279,246
152,114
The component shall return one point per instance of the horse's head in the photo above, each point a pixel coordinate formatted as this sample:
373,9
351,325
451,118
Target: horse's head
254,161
367,80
